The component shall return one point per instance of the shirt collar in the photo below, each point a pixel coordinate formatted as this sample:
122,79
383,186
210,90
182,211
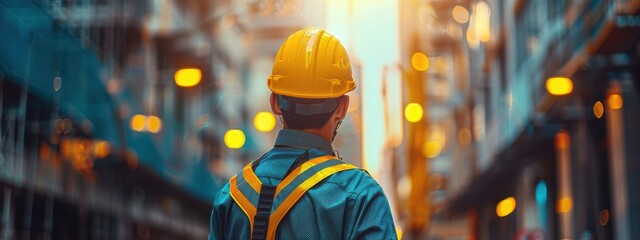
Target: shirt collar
301,139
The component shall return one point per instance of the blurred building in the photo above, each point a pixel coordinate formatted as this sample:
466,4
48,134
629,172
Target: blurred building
97,140
532,135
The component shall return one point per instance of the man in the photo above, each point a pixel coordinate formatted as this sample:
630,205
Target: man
300,189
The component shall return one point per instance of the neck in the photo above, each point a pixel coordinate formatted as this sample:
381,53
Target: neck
327,135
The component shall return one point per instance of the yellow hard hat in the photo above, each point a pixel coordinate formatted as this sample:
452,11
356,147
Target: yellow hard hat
311,64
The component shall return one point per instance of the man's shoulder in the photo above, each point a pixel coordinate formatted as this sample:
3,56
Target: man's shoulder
354,180
222,196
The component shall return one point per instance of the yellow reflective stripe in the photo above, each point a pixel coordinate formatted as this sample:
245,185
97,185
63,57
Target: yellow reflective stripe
300,169
251,178
242,201
278,214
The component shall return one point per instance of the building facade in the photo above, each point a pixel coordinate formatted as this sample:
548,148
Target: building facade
542,164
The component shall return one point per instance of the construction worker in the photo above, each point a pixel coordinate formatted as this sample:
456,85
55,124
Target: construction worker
300,189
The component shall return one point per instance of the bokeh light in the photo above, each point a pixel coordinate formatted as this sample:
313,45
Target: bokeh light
420,61
564,205
154,124
435,143
101,149
264,121
604,217
559,86
234,138
506,207
138,123
188,77
460,14
482,21
598,109
562,140
413,112
615,101
541,192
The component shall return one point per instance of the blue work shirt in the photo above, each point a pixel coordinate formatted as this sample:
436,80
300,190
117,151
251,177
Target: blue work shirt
346,205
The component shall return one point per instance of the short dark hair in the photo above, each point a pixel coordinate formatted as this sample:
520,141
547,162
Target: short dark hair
301,122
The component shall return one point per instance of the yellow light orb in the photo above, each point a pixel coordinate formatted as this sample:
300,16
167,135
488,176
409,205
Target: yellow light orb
559,86
460,14
234,138
420,62
264,121
615,101
413,112
154,124
138,122
506,207
598,109
188,77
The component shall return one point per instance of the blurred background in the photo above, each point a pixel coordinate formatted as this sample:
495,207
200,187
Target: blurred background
481,119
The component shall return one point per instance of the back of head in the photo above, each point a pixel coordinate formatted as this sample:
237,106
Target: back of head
311,73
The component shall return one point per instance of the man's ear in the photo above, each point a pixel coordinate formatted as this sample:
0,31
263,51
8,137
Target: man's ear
275,108
341,111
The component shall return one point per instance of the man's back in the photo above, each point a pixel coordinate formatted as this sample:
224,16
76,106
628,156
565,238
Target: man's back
346,205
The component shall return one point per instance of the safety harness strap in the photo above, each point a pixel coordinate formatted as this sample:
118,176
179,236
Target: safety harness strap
265,202
266,205
261,220
300,190
245,188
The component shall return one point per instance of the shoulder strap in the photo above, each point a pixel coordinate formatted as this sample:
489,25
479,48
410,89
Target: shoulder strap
265,200
296,184
246,189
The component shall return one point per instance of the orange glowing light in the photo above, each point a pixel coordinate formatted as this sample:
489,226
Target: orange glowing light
138,122
154,124
563,140
598,109
420,61
615,101
564,205
604,217
506,207
101,149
